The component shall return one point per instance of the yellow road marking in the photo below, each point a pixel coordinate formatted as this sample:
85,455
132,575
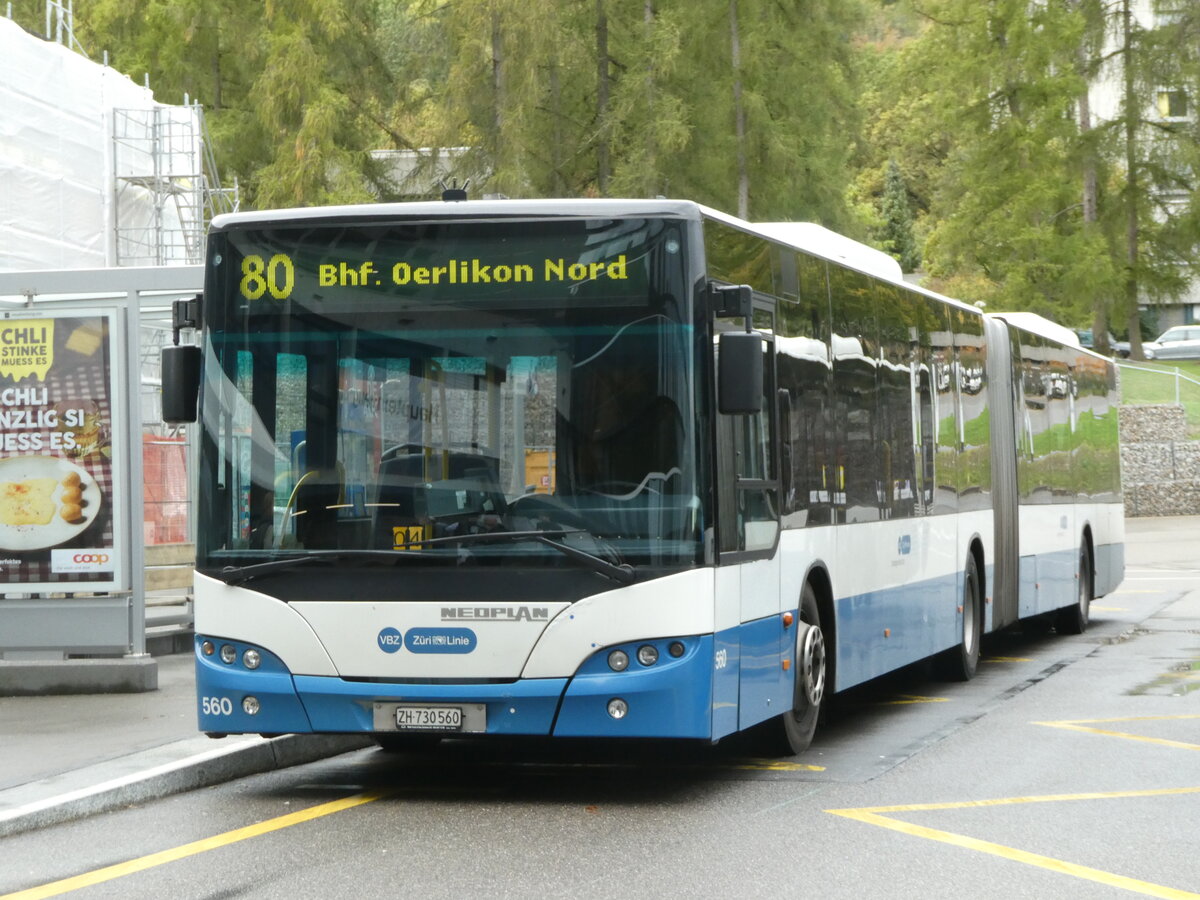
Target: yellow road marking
902,699
1082,725
120,870
1006,659
768,765
872,816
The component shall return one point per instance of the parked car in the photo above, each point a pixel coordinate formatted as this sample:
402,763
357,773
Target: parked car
1177,342
1115,347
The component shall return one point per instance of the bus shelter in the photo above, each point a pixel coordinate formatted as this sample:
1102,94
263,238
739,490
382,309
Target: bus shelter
79,353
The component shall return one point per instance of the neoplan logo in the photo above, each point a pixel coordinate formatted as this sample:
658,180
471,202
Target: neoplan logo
496,613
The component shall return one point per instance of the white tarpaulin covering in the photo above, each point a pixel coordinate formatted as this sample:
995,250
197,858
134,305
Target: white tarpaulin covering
87,159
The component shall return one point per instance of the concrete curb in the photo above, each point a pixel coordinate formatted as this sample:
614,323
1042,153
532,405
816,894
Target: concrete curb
172,769
37,678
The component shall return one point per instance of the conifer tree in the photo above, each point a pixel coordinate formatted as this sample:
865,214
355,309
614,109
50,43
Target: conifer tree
897,233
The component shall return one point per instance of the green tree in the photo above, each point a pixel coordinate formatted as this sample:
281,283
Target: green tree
1004,194
794,89
289,110
897,230
1041,196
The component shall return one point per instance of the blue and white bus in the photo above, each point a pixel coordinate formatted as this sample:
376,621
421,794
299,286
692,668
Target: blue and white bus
613,468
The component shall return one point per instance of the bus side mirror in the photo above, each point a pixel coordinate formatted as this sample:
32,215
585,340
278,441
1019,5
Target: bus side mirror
180,383
739,373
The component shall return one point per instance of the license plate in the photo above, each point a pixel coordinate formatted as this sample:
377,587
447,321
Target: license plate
445,716
429,718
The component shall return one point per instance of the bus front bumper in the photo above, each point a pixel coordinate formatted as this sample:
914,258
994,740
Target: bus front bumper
671,699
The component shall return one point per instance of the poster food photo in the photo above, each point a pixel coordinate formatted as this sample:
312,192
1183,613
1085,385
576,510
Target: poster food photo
56,453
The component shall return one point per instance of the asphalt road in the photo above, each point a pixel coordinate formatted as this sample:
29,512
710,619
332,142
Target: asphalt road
1067,768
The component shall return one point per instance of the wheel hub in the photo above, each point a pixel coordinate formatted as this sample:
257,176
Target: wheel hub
811,643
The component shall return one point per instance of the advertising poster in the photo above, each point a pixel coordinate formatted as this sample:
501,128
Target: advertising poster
56,453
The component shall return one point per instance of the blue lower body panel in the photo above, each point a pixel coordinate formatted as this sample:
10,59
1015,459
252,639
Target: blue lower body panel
670,698
884,630
1110,567
222,688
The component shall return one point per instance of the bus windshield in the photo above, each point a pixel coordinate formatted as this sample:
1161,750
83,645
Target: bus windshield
450,393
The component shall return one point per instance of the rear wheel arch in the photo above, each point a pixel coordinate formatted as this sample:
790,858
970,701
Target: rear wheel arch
1088,542
976,550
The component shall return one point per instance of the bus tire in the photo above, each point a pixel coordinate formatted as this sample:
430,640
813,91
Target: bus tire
960,662
1074,619
792,732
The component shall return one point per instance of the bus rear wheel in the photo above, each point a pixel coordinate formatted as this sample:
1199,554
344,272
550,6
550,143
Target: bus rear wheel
960,662
1074,619
792,732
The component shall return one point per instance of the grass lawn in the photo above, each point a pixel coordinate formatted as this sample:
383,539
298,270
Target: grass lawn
1152,382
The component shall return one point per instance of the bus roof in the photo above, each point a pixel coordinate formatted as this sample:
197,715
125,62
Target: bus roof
466,209
806,236
1040,326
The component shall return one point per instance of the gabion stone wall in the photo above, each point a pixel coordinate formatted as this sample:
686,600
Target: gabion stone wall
1160,468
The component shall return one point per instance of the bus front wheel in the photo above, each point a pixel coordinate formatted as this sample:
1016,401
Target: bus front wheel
793,731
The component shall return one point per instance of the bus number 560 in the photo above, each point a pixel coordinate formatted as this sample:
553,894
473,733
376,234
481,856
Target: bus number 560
216,706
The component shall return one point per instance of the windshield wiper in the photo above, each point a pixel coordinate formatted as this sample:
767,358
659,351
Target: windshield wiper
235,575
623,573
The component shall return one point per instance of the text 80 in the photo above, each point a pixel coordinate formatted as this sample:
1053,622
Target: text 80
276,276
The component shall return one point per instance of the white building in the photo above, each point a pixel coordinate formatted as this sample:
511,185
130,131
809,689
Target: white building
94,172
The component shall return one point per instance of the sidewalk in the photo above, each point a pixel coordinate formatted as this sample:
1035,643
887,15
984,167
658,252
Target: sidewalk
62,757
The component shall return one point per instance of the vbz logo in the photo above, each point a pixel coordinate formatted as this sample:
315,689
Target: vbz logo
390,640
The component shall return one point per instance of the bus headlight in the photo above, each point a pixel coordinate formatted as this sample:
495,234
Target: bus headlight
251,706
252,659
228,654
618,708
647,654
618,660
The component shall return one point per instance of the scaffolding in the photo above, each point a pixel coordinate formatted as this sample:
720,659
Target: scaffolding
96,172
166,184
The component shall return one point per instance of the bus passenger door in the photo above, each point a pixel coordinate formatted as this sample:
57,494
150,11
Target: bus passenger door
748,535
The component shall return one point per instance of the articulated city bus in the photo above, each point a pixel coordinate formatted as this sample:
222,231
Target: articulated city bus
615,469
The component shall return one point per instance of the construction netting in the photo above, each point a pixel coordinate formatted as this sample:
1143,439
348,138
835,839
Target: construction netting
164,467
95,172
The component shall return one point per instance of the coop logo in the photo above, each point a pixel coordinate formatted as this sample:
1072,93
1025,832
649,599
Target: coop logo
85,560
390,640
